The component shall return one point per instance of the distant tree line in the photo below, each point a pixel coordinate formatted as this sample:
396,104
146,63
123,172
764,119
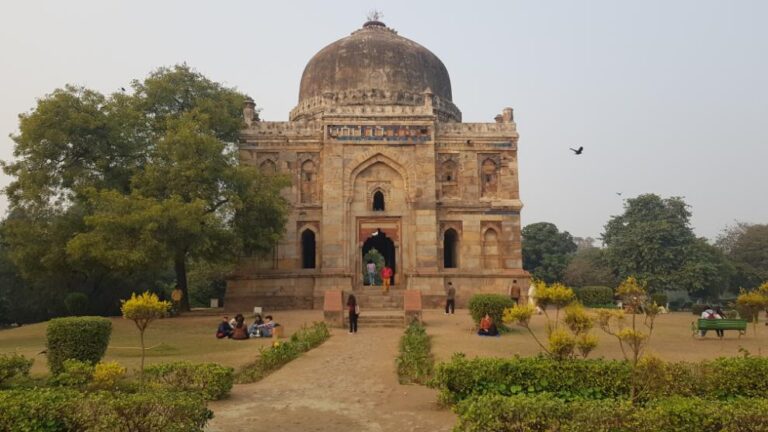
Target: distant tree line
654,242
130,192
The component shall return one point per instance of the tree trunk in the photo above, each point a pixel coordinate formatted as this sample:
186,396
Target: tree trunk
180,265
141,335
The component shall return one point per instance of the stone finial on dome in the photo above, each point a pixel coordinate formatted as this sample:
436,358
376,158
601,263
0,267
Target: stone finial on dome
374,19
249,110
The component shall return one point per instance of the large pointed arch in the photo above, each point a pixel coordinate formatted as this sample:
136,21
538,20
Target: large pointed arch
366,160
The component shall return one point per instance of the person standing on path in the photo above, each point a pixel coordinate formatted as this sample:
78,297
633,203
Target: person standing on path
354,312
386,275
450,300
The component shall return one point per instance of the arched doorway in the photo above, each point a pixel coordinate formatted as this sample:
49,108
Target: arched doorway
308,249
450,249
386,248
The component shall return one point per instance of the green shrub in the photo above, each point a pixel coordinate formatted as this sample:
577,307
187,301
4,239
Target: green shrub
723,378
75,373
675,305
594,296
491,304
415,362
746,313
76,303
660,299
272,358
79,338
14,365
211,380
546,413
61,409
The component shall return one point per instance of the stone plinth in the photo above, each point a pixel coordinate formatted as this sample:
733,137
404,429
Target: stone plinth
333,308
412,306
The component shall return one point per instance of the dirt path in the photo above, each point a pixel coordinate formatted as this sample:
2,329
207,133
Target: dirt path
348,383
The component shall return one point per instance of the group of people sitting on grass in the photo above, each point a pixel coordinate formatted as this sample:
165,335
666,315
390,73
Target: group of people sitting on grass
237,329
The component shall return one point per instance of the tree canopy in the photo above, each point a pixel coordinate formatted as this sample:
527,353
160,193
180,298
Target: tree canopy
135,183
653,241
546,251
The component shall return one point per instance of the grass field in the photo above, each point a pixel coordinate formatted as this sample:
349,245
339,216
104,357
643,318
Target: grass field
184,338
192,338
671,339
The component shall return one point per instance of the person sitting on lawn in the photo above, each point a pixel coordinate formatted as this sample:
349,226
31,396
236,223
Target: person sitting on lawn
240,331
266,328
253,329
487,327
224,330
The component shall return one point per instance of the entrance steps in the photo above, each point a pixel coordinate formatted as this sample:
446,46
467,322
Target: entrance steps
393,318
373,298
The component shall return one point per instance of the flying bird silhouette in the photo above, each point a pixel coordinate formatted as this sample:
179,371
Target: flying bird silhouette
618,193
578,151
122,89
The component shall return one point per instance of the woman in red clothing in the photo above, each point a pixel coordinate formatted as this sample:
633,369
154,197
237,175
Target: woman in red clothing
354,312
487,327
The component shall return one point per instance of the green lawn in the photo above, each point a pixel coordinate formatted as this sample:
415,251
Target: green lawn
184,338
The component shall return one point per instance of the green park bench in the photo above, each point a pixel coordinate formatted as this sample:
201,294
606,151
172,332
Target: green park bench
719,324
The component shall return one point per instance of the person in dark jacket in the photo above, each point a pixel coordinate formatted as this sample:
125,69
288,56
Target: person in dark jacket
240,331
354,313
224,330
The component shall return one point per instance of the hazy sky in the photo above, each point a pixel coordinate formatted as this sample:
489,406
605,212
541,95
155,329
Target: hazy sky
669,97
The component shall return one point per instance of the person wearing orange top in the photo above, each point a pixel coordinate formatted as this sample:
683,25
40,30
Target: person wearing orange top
386,276
487,327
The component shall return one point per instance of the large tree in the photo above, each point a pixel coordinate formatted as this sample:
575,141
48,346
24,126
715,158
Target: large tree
588,267
546,251
746,245
150,179
653,241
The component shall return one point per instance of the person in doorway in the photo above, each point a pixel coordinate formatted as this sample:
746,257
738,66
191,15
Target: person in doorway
450,298
386,276
371,268
354,313
487,327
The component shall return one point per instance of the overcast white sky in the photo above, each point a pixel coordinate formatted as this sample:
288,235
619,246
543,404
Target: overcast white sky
669,97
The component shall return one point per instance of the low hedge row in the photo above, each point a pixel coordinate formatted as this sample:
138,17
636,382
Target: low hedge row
13,365
273,358
415,362
78,338
210,380
594,296
545,413
722,378
62,409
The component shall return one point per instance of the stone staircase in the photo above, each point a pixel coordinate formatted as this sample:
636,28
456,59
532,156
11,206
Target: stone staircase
372,298
393,318
377,309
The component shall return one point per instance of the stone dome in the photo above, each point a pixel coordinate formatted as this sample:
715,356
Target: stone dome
374,66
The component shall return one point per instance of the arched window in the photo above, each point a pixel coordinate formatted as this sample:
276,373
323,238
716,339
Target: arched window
491,249
489,177
450,248
308,182
268,167
308,248
378,201
448,172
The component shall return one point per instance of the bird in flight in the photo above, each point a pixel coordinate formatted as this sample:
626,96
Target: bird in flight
618,193
577,151
122,89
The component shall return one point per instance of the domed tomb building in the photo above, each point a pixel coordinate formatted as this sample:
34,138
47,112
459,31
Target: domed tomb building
383,168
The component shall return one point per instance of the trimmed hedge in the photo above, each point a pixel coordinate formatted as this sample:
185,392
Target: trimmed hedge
492,304
415,362
76,303
594,296
14,365
79,338
210,380
273,358
546,413
722,378
61,409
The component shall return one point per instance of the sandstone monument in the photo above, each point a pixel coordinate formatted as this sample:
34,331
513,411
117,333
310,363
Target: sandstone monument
380,159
